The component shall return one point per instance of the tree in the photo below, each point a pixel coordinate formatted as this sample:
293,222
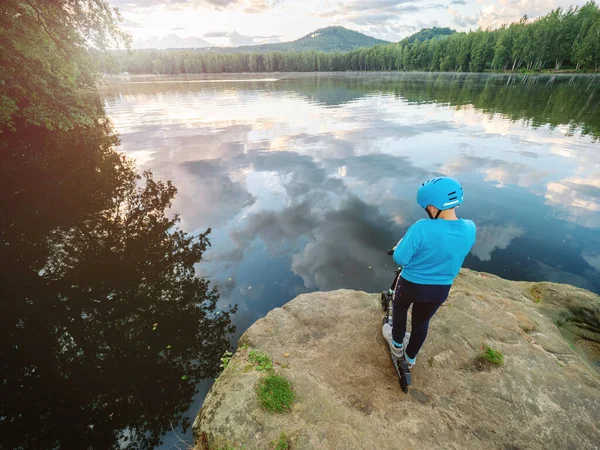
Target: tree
427,34
585,45
519,44
44,63
483,51
503,49
588,51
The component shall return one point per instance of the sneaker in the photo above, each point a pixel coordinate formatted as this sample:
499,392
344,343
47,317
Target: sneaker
410,362
397,352
406,339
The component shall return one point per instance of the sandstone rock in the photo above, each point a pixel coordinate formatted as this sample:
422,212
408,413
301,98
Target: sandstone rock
546,395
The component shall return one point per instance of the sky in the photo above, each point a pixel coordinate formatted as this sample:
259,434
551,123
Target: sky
202,23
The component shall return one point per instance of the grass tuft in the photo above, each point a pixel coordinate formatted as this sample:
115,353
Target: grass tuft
275,393
225,359
263,361
493,356
281,443
536,293
216,443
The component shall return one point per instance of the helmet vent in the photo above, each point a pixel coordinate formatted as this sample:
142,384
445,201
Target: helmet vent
452,193
435,181
453,198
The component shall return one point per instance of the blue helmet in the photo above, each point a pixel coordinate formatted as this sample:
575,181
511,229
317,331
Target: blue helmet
441,192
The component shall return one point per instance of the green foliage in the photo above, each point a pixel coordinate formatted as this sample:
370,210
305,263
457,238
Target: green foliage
281,443
426,34
536,293
263,361
225,359
45,67
493,356
561,38
275,393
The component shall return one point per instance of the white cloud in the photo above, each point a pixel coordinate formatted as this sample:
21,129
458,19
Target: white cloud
171,40
248,5
462,21
576,191
497,170
492,237
376,12
578,197
215,38
592,258
503,12
235,39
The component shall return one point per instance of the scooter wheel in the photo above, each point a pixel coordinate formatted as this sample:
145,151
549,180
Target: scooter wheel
405,379
384,301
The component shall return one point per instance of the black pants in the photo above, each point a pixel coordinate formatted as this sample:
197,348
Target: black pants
407,294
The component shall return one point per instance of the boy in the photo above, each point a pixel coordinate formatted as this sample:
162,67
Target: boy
430,254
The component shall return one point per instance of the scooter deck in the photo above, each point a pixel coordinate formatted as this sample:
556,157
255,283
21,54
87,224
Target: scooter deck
403,373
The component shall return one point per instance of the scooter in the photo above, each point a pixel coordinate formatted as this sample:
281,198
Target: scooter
387,305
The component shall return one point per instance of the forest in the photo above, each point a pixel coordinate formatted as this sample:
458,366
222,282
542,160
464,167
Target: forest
561,39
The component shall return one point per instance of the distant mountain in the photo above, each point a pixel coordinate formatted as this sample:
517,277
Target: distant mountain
171,41
428,33
330,39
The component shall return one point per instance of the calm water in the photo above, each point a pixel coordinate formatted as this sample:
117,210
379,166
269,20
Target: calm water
306,180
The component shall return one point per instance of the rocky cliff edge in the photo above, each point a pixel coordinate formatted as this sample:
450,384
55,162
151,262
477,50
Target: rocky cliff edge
546,394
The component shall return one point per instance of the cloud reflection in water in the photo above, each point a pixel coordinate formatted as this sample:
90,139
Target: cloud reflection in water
320,174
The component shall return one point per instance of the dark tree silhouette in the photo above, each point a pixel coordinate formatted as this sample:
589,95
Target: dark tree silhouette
105,326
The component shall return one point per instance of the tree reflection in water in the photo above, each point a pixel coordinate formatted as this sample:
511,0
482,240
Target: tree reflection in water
105,326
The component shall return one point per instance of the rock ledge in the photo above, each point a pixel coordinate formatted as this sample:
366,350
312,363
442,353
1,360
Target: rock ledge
546,395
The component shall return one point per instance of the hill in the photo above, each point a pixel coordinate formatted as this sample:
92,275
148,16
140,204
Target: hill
330,39
426,34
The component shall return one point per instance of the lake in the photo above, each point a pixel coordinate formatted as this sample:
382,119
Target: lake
306,180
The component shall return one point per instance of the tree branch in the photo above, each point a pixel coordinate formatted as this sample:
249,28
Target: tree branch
43,23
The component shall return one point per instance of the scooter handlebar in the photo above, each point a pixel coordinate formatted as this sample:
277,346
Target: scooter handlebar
390,252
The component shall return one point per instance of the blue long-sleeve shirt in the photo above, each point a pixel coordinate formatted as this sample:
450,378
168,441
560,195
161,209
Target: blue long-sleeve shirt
432,251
